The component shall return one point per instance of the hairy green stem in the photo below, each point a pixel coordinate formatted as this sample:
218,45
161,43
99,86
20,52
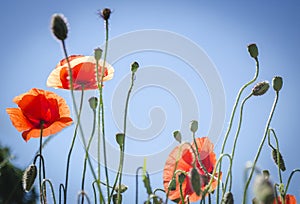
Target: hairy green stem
232,117
289,180
51,187
278,151
260,147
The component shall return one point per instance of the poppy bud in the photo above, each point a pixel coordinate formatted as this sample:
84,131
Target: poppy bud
181,178
120,139
172,185
252,49
105,13
277,83
260,88
177,136
123,188
98,53
93,101
134,67
263,190
195,180
227,198
29,177
281,164
194,126
59,26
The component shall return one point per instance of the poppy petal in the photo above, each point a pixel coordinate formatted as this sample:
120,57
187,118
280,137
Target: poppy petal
18,119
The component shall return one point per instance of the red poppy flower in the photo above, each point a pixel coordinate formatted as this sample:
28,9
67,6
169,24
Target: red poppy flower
83,73
289,199
185,157
38,107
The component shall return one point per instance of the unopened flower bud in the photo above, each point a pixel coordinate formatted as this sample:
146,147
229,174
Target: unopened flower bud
115,198
227,198
194,126
252,49
177,136
281,164
263,190
277,83
172,185
195,180
29,177
181,178
59,26
260,88
134,67
123,188
93,101
120,137
98,53
105,13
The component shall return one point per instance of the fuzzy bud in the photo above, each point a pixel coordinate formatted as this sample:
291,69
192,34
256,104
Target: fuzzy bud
227,198
281,164
93,101
277,83
195,180
252,49
260,88
29,177
134,67
177,136
123,188
105,13
181,178
98,53
115,198
172,185
59,26
194,126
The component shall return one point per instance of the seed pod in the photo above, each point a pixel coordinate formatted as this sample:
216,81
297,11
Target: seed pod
253,51
177,136
29,177
105,13
134,67
277,83
227,198
281,164
93,101
194,125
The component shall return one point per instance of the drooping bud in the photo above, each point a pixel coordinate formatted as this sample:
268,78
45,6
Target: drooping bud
281,164
134,67
181,178
177,136
227,198
93,101
123,188
260,88
120,137
172,184
105,13
252,49
277,83
29,177
59,26
98,53
263,190
195,180
194,126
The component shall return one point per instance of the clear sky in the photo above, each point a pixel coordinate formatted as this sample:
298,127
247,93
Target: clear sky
222,30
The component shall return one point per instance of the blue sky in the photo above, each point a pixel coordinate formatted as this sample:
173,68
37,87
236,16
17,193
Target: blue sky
221,29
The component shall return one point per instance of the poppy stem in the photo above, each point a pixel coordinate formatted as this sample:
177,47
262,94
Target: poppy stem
43,198
289,180
136,184
235,142
51,187
87,154
231,120
260,146
278,152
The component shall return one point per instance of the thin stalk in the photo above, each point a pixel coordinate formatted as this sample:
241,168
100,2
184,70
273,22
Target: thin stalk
235,142
87,154
51,187
83,194
43,197
136,184
72,146
260,146
198,155
181,193
117,176
289,180
278,152
232,117
61,189
124,131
